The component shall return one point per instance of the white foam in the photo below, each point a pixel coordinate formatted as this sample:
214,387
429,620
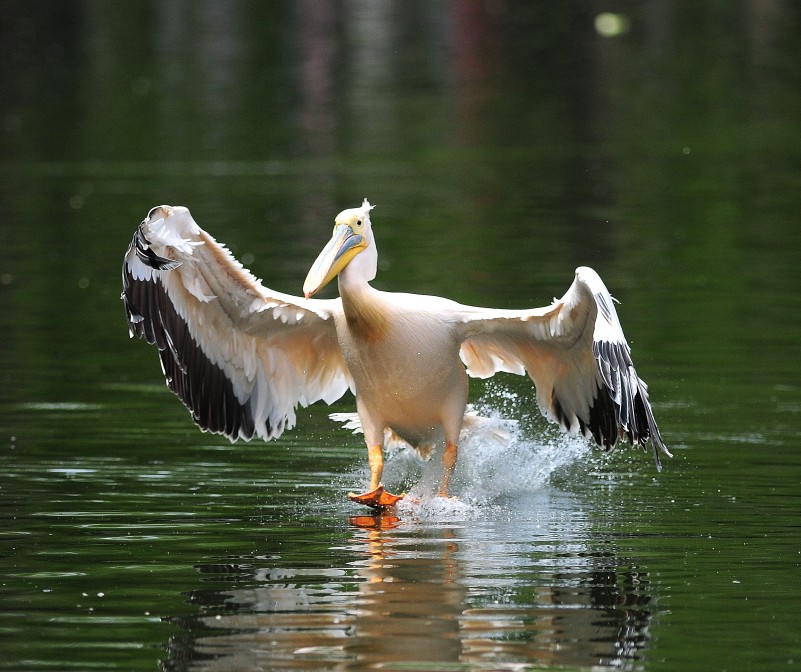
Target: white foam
499,461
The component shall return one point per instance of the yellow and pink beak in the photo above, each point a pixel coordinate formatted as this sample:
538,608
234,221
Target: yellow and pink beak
345,244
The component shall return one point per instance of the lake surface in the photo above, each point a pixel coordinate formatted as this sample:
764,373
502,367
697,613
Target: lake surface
503,146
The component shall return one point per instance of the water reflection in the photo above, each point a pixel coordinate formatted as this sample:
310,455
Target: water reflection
488,594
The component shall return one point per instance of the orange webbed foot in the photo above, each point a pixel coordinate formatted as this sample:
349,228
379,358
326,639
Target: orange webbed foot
376,499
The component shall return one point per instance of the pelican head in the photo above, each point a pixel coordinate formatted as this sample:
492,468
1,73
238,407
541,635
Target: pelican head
352,235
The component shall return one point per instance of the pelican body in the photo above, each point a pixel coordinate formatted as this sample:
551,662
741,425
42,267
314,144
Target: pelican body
243,357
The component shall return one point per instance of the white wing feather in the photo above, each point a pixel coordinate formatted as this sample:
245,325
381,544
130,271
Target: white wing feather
575,352
240,356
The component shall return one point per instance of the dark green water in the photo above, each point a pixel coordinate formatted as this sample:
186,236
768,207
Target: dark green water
504,146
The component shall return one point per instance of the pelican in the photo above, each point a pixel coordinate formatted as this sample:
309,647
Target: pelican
243,357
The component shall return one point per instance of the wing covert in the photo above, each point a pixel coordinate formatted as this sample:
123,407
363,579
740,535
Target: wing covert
240,357
577,356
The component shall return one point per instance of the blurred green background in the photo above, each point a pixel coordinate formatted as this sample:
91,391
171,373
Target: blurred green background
504,143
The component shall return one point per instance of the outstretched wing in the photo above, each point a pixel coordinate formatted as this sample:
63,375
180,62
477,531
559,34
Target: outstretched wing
240,356
577,356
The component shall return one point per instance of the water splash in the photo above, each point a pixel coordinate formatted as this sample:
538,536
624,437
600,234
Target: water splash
499,460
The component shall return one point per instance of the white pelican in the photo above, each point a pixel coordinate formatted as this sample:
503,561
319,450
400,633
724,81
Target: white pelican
242,357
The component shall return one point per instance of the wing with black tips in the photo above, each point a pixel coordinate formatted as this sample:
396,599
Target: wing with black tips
240,356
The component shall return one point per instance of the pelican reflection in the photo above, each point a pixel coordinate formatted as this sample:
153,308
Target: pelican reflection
416,593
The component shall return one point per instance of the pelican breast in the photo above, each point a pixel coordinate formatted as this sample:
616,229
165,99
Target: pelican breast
403,355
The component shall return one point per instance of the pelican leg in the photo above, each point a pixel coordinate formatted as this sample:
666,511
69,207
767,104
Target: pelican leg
449,458
376,497
375,458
